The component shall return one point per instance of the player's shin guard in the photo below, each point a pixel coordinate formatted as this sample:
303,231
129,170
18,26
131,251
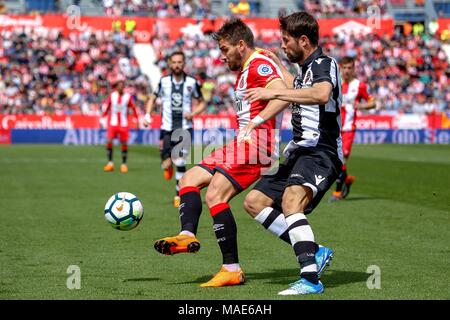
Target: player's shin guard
305,248
275,222
341,178
226,232
190,208
109,151
178,175
124,153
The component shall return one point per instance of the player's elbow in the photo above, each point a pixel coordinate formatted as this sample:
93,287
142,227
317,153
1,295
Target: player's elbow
322,97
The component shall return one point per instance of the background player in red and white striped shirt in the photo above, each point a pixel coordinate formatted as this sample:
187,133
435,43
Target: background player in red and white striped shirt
117,109
355,97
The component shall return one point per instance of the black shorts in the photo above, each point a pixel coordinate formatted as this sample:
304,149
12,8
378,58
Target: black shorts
315,169
168,145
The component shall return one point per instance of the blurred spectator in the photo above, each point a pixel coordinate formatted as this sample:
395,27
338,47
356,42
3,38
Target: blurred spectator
240,8
2,7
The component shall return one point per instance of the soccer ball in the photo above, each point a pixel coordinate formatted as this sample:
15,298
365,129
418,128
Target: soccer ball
124,211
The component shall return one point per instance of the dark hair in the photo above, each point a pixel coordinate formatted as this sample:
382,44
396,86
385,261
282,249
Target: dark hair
347,60
177,53
301,24
233,31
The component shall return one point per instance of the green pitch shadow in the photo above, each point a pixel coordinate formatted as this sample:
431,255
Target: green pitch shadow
141,279
331,278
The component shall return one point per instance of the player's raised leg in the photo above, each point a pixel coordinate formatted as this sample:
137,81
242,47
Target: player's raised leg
190,210
220,192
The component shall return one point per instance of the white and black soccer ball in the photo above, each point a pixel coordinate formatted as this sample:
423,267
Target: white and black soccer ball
124,211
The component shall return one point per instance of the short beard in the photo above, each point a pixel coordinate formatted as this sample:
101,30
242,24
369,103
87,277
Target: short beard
297,57
177,73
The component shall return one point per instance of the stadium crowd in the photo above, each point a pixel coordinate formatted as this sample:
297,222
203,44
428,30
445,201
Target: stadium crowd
202,8
340,8
405,73
158,8
41,71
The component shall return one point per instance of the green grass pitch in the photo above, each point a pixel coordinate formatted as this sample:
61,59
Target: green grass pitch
397,217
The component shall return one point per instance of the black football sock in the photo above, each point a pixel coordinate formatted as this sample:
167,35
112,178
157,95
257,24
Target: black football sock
341,178
190,208
109,151
226,232
124,153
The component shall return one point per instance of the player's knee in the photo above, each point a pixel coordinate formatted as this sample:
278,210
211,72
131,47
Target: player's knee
295,199
212,197
253,203
185,181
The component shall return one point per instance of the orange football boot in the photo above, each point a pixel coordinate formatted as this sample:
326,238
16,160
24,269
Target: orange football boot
176,201
109,167
168,173
337,195
178,244
348,183
123,168
225,278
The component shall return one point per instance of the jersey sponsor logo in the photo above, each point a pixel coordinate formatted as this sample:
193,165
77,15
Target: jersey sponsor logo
265,70
319,179
176,99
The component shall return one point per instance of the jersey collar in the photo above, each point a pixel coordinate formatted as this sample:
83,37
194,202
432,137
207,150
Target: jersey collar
316,53
249,59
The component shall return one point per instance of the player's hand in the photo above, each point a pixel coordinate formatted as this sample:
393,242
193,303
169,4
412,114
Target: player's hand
245,134
147,120
102,121
255,94
271,55
188,116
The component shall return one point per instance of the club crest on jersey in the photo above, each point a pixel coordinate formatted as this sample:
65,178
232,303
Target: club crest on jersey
242,82
307,80
264,70
189,89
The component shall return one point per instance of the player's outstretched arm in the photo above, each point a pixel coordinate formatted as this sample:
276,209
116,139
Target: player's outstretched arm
288,77
319,93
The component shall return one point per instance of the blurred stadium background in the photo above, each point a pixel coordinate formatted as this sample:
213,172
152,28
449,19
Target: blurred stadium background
58,60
